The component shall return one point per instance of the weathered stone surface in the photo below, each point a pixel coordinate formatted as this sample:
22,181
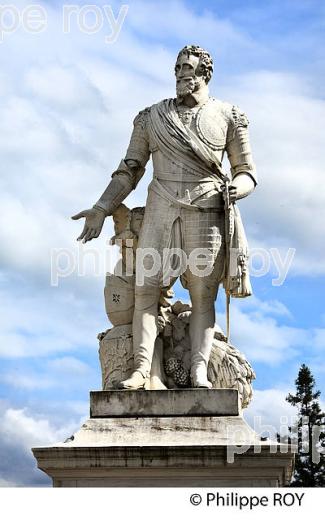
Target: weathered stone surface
193,402
116,355
166,451
165,431
170,451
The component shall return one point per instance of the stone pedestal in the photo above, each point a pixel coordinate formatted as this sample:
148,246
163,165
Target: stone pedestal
168,438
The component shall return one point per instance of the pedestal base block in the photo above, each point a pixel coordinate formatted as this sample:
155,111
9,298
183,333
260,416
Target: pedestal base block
198,450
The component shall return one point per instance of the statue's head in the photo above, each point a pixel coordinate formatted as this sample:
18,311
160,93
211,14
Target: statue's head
137,215
193,69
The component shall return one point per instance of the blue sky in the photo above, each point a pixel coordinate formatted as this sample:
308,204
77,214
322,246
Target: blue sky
67,103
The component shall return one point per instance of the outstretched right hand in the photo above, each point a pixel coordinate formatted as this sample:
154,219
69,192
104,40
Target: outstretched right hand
93,225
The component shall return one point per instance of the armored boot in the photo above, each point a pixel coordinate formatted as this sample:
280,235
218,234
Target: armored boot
145,330
135,382
201,334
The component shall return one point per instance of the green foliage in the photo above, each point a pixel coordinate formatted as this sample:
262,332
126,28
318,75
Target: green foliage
308,432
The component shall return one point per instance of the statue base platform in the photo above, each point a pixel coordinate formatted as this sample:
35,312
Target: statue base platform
166,438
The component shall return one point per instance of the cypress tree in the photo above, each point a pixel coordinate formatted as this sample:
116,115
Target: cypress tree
310,435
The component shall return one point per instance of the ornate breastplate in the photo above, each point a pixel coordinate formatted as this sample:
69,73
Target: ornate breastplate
212,125
187,115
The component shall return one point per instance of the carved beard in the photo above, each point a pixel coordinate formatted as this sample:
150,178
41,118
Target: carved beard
185,87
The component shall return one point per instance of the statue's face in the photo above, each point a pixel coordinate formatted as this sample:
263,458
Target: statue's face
136,223
120,219
187,78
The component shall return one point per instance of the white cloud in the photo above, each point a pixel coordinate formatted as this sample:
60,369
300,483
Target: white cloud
48,322
20,430
259,329
76,92
79,408
272,307
269,413
256,331
68,364
6,483
27,382
18,427
319,339
66,373
146,17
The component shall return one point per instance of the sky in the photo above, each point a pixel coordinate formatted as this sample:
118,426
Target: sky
68,99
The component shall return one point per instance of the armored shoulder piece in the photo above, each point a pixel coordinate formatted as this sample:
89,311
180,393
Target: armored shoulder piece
238,117
141,118
138,149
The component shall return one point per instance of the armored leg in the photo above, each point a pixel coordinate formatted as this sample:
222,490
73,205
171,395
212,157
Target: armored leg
203,231
145,330
203,293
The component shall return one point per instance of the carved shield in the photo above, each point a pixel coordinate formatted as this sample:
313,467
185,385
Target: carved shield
212,125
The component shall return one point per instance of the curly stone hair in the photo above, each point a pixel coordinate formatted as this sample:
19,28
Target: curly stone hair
206,61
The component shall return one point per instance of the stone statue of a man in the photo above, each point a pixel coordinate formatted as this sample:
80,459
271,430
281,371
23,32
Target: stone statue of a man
186,137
